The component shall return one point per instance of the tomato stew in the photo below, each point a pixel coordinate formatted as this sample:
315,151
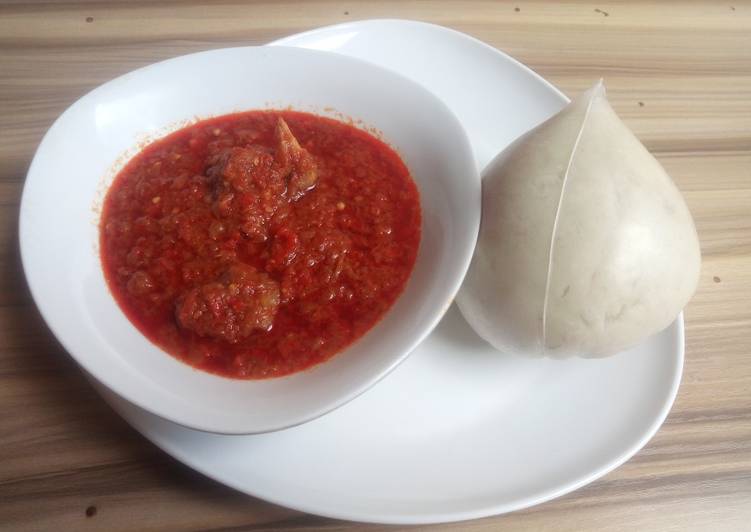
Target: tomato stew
258,244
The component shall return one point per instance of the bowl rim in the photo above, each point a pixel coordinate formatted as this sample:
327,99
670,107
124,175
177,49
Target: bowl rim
188,420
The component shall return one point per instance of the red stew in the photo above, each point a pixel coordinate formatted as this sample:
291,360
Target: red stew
258,244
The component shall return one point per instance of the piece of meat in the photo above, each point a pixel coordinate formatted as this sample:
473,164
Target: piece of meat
248,188
296,164
251,184
245,169
241,301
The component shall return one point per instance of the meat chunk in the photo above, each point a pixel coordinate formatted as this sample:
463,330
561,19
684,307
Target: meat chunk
248,169
296,164
251,184
249,188
241,301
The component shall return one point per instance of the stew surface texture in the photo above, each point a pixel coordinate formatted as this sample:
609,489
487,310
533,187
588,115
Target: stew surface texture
258,244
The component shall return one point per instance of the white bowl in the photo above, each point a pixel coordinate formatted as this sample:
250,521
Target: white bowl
91,141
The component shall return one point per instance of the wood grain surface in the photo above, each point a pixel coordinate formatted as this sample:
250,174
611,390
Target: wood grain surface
679,73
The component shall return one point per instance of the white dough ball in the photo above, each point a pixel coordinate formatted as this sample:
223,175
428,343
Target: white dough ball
586,246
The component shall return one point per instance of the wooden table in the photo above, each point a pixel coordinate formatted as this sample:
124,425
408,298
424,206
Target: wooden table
678,73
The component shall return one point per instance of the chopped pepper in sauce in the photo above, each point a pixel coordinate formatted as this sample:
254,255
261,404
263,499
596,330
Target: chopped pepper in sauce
258,244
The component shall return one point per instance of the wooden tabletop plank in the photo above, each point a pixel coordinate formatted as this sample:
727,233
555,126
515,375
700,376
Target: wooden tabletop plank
678,73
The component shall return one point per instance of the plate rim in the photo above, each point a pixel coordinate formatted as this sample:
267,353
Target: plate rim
116,403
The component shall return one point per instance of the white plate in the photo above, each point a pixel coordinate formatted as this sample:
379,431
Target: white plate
458,431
